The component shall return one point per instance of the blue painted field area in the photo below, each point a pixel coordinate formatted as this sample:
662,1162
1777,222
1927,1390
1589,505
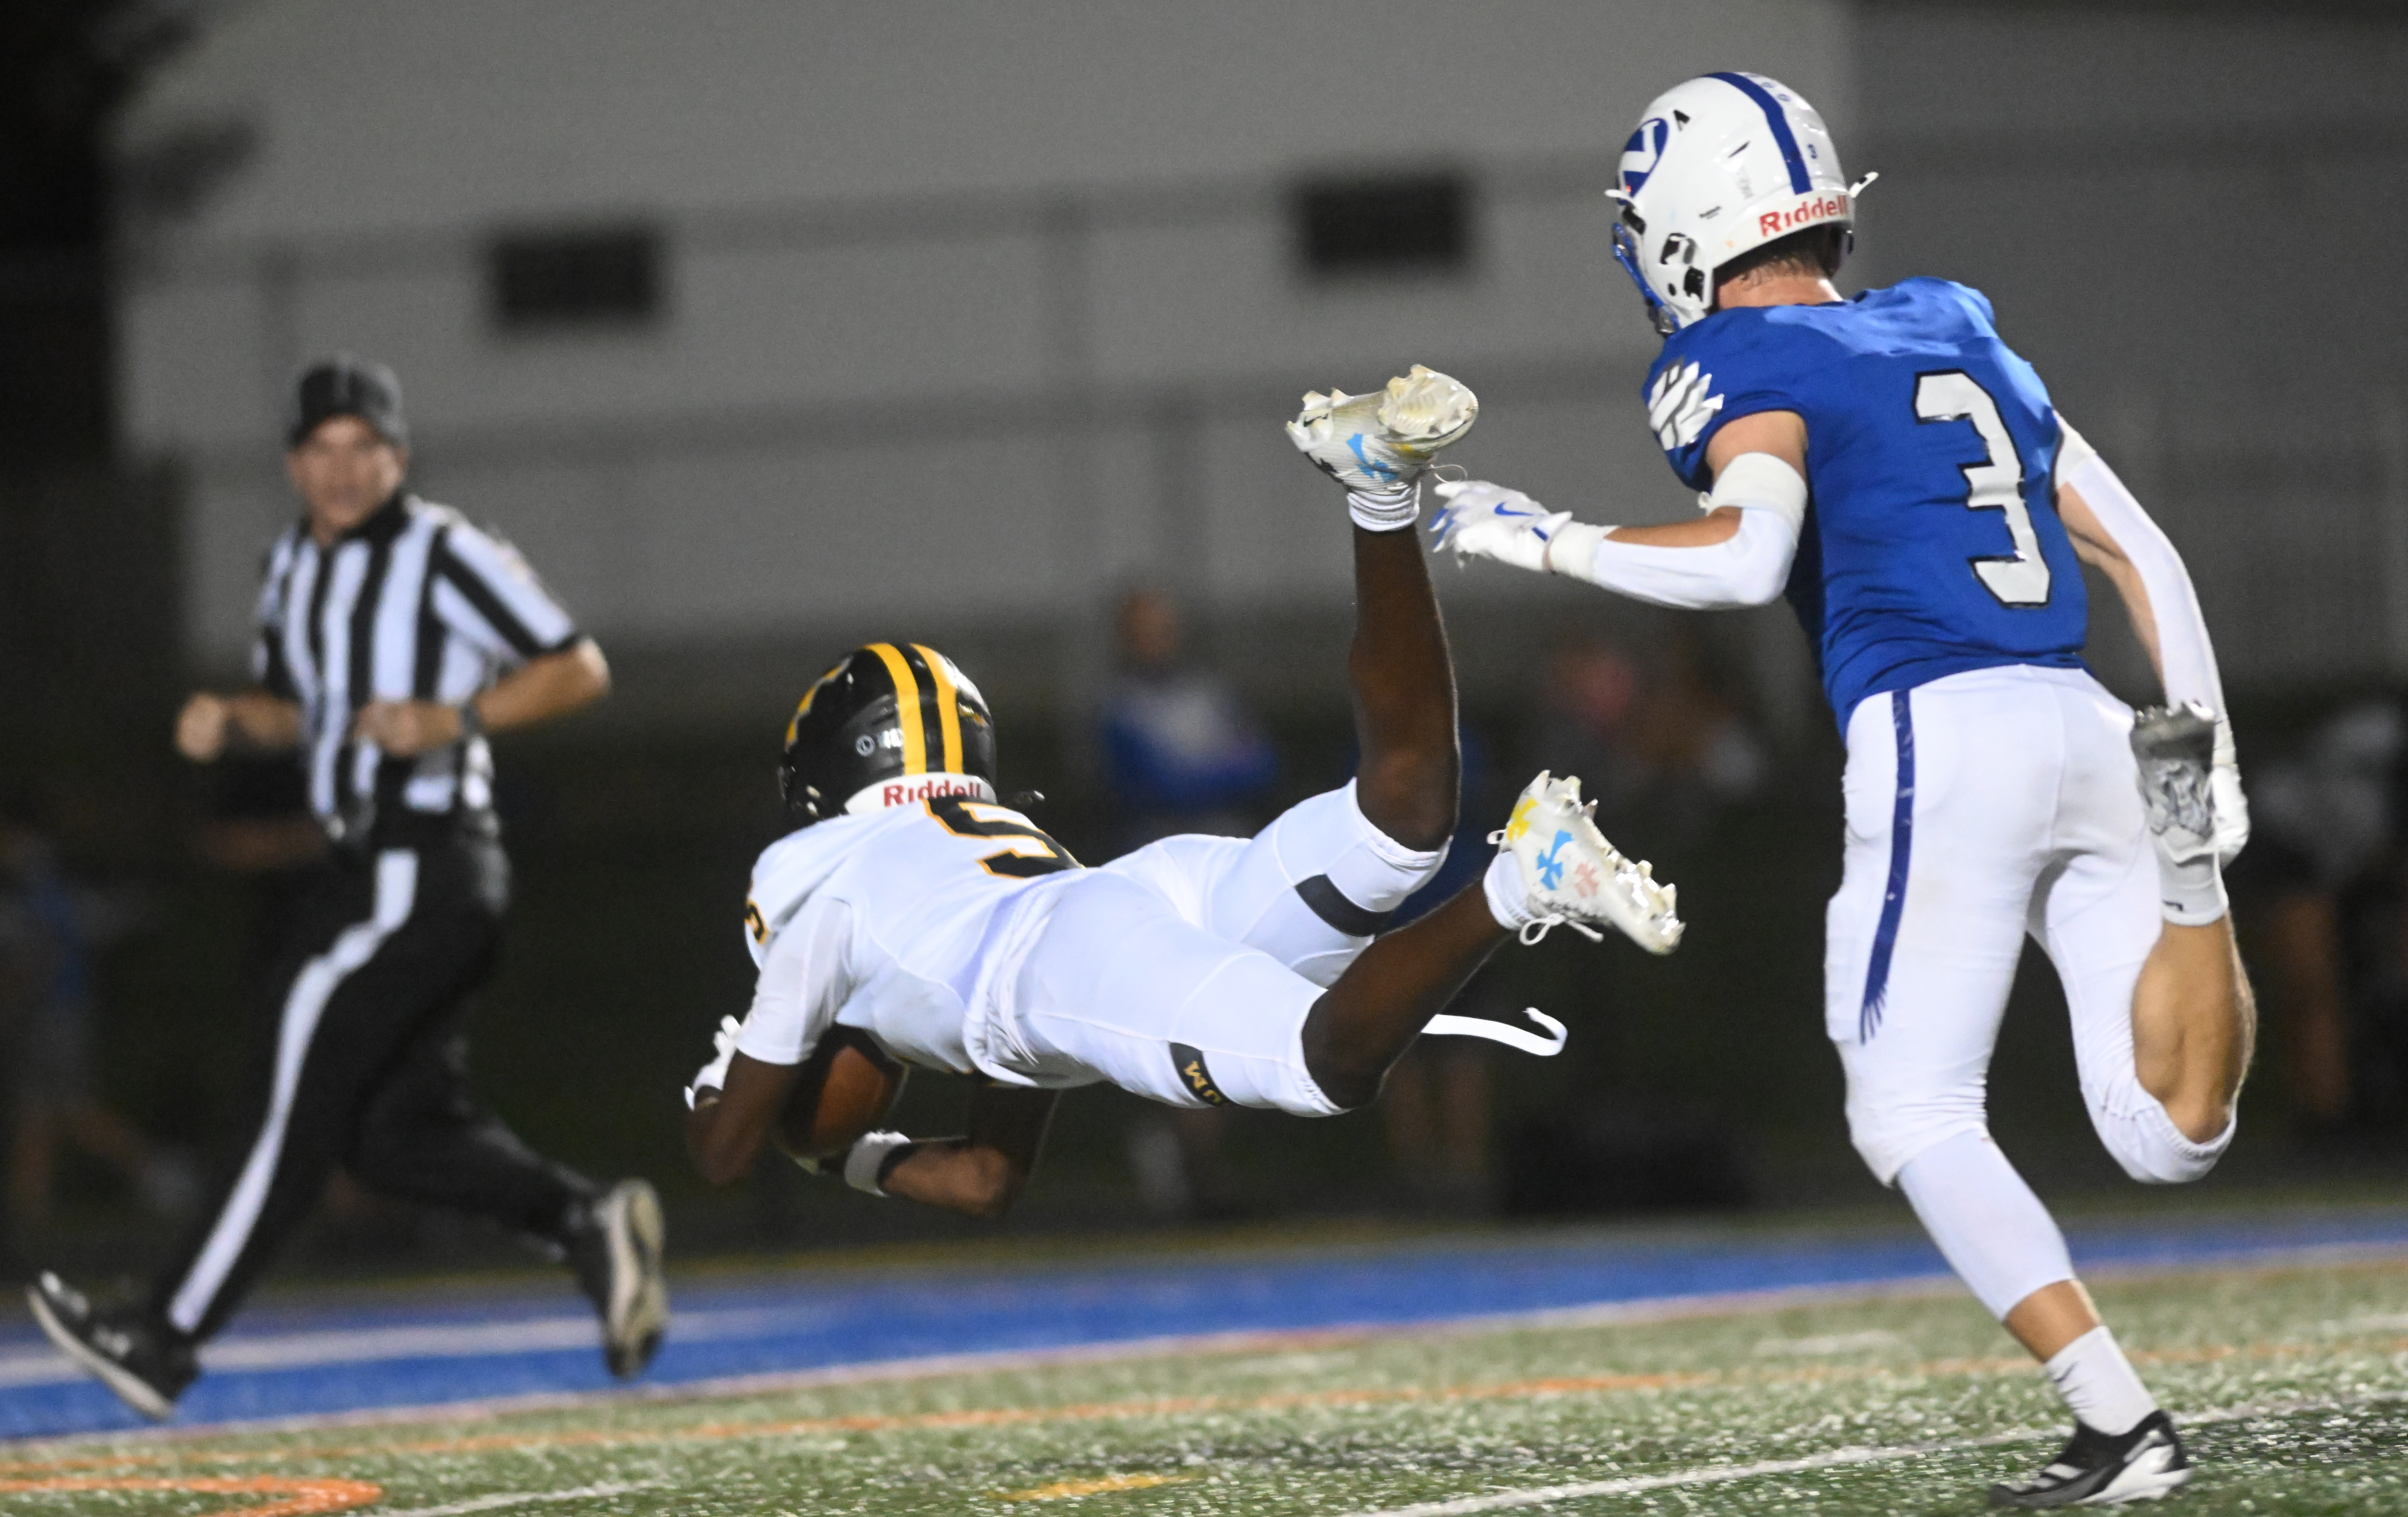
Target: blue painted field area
397,1349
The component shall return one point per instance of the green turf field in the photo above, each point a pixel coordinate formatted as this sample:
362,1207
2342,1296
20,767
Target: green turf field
2294,1384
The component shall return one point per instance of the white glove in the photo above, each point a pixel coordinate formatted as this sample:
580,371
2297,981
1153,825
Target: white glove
2232,805
712,1076
1482,520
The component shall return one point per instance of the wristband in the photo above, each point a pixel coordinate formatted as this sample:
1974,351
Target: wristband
1385,510
867,1156
472,722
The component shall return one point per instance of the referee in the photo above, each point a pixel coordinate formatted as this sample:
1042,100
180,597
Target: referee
392,635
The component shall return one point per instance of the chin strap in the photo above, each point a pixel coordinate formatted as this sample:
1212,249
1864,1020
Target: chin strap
1625,253
1503,1031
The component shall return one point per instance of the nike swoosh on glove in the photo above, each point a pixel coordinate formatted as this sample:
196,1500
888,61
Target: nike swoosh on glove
1488,520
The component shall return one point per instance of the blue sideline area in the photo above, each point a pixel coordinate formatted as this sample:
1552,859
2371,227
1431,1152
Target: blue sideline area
440,1344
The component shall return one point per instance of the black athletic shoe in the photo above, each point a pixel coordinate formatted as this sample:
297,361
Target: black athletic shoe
147,1363
615,1248
2100,1469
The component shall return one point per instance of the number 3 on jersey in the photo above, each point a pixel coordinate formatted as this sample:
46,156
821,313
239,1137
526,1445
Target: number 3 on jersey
1027,852
1996,485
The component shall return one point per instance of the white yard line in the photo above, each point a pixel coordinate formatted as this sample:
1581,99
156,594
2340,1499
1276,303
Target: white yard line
1831,1459
521,1498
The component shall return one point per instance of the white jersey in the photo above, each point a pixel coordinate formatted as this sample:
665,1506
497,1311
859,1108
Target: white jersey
962,939
893,922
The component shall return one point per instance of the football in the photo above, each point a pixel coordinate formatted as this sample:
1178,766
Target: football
843,1090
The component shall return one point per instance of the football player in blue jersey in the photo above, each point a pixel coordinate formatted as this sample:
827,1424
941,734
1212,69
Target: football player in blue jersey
1894,467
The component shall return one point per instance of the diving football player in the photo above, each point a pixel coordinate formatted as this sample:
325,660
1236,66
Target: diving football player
1889,462
915,920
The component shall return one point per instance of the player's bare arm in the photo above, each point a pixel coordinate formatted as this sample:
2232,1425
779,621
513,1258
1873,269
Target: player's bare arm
1780,434
2098,548
1738,553
1403,682
250,721
981,1173
549,686
730,1120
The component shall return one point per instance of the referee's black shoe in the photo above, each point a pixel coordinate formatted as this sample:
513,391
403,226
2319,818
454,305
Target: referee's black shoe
614,1245
2103,1469
147,1363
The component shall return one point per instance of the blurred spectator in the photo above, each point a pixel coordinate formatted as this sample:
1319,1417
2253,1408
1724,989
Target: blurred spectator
47,1032
1180,755
1436,1105
1660,745
2327,855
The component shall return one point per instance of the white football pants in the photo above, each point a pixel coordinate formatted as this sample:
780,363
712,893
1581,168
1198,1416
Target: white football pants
1981,806
1183,971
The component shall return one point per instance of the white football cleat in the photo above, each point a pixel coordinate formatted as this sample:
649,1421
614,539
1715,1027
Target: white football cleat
1382,441
1569,874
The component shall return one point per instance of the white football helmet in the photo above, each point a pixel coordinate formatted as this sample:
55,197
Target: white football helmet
1719,166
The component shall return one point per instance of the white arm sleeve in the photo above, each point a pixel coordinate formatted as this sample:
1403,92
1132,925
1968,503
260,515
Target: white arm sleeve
1751,568
2183,651
803,983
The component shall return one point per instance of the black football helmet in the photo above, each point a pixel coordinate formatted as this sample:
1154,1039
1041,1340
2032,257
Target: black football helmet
886,711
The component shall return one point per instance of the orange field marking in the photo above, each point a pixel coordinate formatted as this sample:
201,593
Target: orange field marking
1059,1489
301,1497
1120,1410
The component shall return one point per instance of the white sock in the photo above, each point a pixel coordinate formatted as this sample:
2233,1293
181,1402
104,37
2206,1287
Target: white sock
2097,1382
1509,895
2192,894
1989,1225
1392,510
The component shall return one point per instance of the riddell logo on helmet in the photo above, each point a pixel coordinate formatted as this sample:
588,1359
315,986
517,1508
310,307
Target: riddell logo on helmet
1773,223
902,793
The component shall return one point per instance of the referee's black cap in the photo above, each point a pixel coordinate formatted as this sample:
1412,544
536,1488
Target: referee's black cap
346,386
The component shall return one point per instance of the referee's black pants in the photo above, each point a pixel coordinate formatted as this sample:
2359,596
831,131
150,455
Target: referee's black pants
362,1066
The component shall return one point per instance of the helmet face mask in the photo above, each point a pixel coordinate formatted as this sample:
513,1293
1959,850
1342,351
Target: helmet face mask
896,717
1719,166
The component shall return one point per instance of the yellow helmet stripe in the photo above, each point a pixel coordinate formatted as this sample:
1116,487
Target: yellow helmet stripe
794,723
949,715
907,707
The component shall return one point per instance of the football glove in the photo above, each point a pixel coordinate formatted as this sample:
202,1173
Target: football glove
1482,520
714,1076
2231,805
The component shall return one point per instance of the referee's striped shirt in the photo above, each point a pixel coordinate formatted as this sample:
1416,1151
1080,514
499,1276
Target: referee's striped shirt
412,604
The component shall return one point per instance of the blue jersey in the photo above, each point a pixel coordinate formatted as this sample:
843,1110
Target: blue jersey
1932,543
